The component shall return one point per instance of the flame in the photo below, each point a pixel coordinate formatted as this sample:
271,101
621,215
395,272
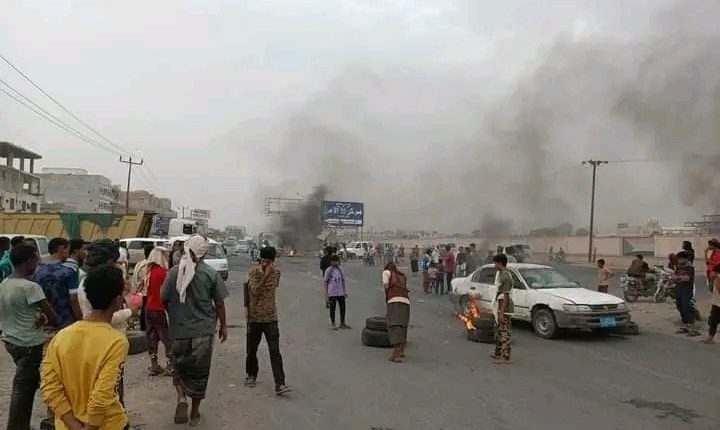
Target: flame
468,322
472,313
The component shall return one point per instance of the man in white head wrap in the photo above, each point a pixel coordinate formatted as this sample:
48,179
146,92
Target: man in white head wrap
194,295
195,249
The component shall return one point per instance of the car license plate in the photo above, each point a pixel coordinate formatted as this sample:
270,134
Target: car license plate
607,322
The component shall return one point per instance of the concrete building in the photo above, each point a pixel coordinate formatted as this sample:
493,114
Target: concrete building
142,200
74,190
19,186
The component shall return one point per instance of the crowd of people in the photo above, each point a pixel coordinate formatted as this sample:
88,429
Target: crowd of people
682,268
75,305
439,265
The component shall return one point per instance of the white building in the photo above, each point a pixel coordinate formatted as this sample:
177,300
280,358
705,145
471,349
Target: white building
77,190
19,186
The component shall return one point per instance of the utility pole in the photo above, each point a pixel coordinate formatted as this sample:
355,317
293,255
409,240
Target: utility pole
182,208
594,164
130,164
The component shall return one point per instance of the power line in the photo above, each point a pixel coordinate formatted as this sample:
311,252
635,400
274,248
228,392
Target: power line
52,118
61,106
657,160
60,124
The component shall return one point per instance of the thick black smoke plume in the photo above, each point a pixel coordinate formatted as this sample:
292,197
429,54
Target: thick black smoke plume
301,227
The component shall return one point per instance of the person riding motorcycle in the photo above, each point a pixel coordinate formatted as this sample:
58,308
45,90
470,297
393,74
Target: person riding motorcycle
639,269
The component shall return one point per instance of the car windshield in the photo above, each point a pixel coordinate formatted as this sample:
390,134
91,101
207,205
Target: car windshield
214,251
547,277
42,246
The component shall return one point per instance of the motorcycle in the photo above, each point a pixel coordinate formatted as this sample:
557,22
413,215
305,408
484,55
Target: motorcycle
558,258
659,286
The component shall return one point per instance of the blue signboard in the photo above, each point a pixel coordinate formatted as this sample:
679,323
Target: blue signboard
343,213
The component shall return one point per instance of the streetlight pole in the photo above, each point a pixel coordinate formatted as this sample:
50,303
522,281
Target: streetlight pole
594,164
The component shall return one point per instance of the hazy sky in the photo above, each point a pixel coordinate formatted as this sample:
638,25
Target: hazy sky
201,89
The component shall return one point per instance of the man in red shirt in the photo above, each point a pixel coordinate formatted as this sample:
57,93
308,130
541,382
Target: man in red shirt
156,321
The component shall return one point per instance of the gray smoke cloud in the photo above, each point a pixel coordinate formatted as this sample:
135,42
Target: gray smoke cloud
674,98
439,148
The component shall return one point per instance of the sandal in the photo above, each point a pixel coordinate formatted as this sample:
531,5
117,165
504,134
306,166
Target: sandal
181,413
194,422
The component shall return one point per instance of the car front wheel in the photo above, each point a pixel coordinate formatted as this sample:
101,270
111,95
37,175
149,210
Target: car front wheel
544,324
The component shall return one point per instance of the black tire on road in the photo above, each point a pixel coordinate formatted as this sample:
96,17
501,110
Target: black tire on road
138,342
544,324
378,323
481,335
486,322
375,338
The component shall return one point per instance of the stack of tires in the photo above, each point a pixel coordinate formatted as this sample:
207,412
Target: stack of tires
484,331
375,333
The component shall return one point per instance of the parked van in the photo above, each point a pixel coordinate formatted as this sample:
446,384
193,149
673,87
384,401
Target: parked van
39,242
214,257
136,247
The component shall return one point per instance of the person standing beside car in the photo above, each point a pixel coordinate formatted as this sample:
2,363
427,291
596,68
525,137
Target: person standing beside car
450,267
502,308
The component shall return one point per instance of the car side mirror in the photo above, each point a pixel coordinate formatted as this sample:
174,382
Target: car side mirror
535,285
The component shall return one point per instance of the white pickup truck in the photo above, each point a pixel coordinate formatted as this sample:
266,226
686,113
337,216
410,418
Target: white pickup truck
547,299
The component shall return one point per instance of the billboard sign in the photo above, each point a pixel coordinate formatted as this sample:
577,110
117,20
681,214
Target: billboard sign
202,214
343,214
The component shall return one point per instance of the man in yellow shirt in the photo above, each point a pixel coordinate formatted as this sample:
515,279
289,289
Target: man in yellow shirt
86,397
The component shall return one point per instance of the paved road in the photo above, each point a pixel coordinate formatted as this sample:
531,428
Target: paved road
448,383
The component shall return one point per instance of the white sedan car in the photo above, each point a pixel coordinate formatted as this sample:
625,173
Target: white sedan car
547,299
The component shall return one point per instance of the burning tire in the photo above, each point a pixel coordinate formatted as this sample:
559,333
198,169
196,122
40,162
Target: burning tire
378,323
375,338
485,322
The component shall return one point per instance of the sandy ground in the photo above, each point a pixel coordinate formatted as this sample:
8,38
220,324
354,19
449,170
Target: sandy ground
447,383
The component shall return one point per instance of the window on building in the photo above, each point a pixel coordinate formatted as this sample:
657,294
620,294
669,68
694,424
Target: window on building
12,204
